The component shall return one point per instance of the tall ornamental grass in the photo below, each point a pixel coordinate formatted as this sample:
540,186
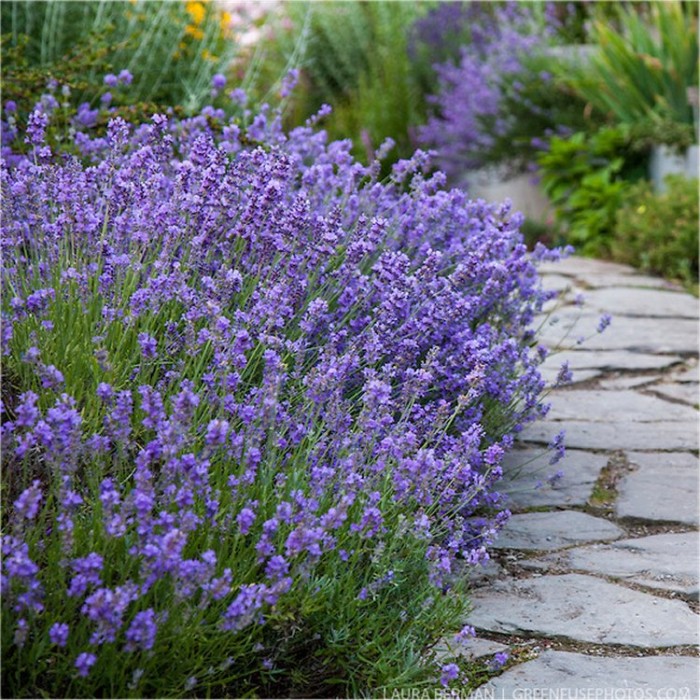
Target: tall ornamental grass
254,407
171,48
642,69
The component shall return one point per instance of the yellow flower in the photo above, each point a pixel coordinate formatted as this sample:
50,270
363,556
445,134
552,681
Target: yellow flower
194,32
196,11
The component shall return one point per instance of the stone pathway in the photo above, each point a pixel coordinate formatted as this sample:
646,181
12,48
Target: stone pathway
593,586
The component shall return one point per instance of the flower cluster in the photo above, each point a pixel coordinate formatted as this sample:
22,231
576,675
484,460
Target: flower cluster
468,116
245,365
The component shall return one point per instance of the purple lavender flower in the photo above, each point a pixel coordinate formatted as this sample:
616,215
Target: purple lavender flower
125,77
36,128
558,446
499,660
27,505
564,376
142,631
216,432
289,82
449,672
553,479
105,392
87,117
27,413
50,377
58,634
218,81
604,322
465,634
245,520
87,573
148,344
110,80
84,662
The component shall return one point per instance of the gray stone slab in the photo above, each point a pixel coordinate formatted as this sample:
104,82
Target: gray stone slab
667,561
583,608
526,472
663,487
609,360
687,393
484,574
558,674
554,530
617,406
638,281
551,375
576,266
622,383
560,283
691,373
586,365
585,435
628,301
476,648
649,335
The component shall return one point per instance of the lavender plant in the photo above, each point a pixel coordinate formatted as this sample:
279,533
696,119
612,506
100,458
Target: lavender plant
254,407
468,117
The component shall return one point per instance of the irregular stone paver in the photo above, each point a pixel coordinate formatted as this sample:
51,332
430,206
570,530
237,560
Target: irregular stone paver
595,677
482,575
583,608
668,561
642,302
597,405
575,266
476,648
688,393
585,435
559,283
622,383
609,360
664,487
554,530
654,323
689,374
637,281
526,472
551,375
648,335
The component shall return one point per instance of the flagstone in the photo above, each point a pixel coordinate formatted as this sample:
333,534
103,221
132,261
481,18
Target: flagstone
558,674
585,609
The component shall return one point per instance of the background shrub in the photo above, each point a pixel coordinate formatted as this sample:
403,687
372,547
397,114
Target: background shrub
658,232
585,176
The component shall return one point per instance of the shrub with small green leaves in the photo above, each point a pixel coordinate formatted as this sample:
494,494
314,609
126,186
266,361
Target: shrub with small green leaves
658,232
585,177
